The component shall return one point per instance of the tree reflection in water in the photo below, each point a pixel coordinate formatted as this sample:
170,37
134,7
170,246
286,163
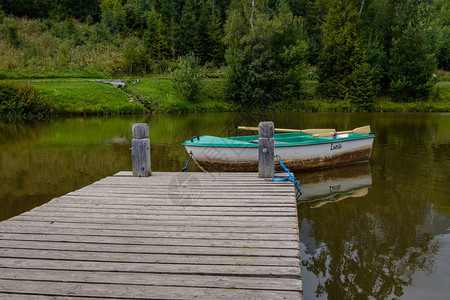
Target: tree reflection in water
360,248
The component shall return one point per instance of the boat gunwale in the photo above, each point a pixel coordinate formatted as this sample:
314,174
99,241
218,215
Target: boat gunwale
298,144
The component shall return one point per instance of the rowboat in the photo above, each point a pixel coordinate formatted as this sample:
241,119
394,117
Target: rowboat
297,150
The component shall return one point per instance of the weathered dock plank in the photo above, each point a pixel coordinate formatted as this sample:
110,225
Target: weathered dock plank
120,248
135,291
168,236
257,283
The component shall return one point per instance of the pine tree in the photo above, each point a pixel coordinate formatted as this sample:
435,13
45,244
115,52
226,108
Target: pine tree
214,44
137,11
201,43
188,24
342,50
173,38
154,38
312,27
362,88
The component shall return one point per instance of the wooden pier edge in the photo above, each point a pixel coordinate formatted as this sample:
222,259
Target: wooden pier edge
167,236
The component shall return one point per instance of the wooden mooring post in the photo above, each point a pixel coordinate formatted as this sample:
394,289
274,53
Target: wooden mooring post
266,143
140,150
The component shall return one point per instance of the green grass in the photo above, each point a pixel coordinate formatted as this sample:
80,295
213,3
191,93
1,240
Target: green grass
60,73
443,75
88,98
438,101
441,92
158,95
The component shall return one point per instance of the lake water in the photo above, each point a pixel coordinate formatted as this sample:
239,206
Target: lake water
378,230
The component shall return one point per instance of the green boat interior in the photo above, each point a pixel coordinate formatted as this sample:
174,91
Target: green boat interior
281,139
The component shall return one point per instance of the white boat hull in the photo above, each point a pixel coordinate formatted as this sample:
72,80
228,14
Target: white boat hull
298,157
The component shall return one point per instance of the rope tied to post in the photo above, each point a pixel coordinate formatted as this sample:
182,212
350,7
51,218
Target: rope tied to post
187,163
290,178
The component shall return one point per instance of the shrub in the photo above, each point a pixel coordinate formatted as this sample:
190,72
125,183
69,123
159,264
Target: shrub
12,35
2,15
23,100
136,58
186,78
404,90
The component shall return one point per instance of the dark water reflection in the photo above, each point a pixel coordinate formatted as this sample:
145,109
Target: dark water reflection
377,231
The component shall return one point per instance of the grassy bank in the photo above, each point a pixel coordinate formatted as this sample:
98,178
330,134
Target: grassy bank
158,95
85,97
438,101
63,97
88,98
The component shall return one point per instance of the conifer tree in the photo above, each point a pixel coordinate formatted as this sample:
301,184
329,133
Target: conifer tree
188,24
214,43
154,38
363,87
203,10
173,38
137,11
342,50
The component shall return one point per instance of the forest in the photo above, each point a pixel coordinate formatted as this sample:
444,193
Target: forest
266,50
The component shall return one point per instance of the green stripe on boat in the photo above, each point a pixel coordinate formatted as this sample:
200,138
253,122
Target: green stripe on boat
281,140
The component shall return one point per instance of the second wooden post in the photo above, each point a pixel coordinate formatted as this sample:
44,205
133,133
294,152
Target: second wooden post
266,142
140,150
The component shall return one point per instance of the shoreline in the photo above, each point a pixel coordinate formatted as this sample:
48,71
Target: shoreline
154,94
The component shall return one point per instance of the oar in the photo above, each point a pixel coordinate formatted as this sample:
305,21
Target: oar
307,131
359,130
356,194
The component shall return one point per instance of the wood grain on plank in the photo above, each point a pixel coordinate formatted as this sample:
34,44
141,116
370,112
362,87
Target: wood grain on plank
148,234
137,291
159,228
171,235
150,249
147,258
160,268
258,283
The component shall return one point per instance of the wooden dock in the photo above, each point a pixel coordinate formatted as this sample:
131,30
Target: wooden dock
168,236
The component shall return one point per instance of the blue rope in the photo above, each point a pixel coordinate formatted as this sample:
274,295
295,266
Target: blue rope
187,163
290,178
